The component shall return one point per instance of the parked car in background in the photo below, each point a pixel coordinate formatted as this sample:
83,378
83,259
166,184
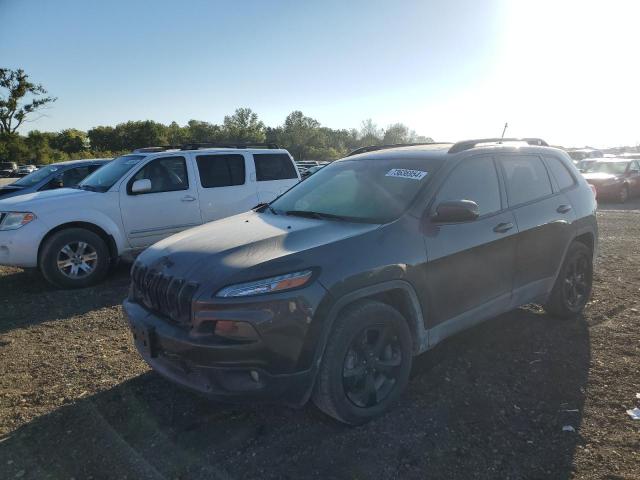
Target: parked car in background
8,169
50,177
579,154
310,171
25,170
614,178
307,163
330,291
72,235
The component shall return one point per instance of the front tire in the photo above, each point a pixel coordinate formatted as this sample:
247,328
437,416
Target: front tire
366,364
572,289
623,196
74,258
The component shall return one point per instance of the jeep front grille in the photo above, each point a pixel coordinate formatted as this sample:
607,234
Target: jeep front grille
168,296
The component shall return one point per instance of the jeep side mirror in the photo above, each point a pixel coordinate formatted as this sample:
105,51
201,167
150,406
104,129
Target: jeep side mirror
141,186
452,211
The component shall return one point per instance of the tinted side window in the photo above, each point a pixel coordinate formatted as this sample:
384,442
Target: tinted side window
273,166
221,170
475,179
560,173
635,166
167,174
73,176
526,178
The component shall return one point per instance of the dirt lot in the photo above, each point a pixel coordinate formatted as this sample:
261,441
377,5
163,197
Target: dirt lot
76,402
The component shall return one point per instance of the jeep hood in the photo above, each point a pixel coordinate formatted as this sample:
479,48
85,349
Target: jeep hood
246,247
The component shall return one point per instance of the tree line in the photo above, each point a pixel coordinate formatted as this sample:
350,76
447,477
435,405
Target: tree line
304,137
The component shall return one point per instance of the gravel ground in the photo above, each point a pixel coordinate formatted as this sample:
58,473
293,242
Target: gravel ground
76,401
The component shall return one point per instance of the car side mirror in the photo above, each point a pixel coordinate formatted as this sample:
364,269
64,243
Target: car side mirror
456,211
141,186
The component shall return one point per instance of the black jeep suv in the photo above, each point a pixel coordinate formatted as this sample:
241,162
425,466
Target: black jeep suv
330,290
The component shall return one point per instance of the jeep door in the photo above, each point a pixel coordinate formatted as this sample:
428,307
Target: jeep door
225,184
275,173
170,206
545,220
470,264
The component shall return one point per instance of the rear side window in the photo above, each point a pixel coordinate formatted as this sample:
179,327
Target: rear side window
560,173
221,170
475,179
526,178
274,166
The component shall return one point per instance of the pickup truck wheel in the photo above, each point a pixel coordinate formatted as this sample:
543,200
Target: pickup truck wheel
366,364
74,258
572,289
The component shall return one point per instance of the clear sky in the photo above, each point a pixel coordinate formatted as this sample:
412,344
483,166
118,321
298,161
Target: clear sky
565,70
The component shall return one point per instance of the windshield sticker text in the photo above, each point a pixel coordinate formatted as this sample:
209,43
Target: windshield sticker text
406,173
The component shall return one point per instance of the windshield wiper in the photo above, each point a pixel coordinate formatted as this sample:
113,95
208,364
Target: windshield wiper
89,188
264,205
318,215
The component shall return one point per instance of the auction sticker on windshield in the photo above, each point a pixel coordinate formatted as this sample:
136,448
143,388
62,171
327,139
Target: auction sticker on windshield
406,173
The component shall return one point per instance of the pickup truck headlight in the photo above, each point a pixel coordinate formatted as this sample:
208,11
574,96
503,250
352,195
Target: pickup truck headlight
267,285
15,220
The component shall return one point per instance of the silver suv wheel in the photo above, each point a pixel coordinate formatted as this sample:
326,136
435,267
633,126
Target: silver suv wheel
77,259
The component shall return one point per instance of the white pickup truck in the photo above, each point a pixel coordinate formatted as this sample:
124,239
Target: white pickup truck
73,235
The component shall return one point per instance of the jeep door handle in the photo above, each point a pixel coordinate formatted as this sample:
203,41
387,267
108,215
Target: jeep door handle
563,209
503,227
188,198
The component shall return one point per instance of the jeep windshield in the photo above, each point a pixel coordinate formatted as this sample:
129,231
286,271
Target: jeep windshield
366,190
105,177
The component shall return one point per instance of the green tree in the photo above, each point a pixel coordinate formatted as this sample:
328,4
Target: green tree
70,141
202,132
19,98
243,126
104,139
370,134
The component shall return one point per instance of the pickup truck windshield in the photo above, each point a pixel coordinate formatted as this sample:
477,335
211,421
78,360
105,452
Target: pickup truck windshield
615,168
105,177
367,190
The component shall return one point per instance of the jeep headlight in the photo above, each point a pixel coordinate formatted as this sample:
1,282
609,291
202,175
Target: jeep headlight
267,285
15,220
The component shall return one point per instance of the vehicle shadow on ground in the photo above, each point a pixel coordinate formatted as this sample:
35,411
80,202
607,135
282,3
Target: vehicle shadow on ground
27,299
490,403
631,204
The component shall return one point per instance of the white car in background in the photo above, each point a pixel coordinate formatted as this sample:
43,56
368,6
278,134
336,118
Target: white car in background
73,235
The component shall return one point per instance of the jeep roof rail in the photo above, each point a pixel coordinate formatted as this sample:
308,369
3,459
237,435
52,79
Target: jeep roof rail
467,144
373,148
198,145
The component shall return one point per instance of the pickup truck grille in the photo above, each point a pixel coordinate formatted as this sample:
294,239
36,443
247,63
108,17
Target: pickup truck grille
167,296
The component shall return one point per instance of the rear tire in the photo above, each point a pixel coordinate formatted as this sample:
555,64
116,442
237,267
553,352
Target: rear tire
366,364
74,258
572,289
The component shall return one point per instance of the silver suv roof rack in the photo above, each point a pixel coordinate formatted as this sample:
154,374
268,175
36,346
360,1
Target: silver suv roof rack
467,144
196,146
